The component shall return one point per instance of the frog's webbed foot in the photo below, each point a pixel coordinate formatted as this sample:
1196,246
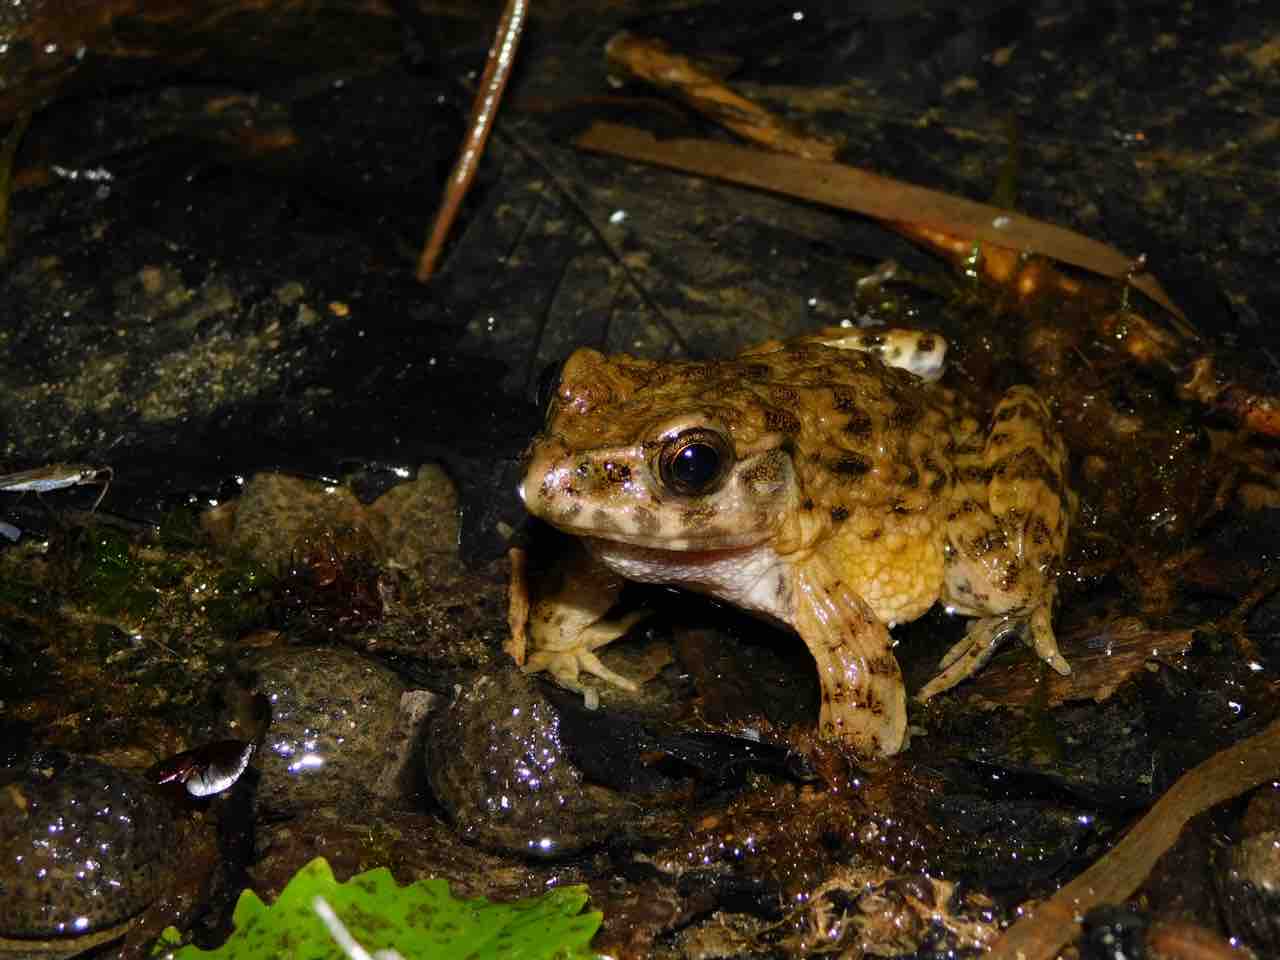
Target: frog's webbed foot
566,656
863,700
983,639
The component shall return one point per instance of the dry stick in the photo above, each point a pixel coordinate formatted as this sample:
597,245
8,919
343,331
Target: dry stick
850,188
1056,922
651,61
497,70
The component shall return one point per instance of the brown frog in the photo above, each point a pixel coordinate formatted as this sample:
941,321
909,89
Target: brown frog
824,482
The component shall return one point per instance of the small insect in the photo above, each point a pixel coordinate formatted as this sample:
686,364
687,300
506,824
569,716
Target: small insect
207,769
57,476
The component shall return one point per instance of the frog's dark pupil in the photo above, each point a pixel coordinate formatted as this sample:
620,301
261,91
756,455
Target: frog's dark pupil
696,466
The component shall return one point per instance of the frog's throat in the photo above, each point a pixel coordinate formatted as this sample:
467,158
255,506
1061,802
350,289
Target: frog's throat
753,577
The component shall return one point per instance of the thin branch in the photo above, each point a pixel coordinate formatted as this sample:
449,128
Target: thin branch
484,110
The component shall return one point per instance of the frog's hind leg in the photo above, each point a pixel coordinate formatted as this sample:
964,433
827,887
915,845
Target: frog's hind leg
1006,535
863,700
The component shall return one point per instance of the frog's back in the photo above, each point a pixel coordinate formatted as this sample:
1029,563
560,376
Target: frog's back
873,450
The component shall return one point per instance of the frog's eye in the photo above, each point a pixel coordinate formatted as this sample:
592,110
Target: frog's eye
694,462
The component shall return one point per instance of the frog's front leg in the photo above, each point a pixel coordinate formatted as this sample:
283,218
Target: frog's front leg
863,699
1006,533
567,625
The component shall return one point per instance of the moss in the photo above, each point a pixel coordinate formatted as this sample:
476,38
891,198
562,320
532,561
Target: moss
180,529
110,579
241,597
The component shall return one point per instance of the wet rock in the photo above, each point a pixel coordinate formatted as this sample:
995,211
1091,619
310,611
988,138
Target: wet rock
413,527
333,716
84,848
401,774
1247,876
498,766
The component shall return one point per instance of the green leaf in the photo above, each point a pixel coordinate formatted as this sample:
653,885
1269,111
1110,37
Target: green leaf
420,920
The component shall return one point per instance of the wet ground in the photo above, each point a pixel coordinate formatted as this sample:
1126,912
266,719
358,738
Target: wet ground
209,289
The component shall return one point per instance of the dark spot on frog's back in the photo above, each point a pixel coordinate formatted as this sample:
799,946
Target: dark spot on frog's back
858,424
1028,464
853,466
839,514
783,396
905,415
1012,573
756,372
926,344
844,399
781,421
1039,532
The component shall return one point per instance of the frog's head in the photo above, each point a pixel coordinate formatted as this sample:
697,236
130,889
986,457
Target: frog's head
678,456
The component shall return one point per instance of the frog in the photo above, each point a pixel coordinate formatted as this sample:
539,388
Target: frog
828,483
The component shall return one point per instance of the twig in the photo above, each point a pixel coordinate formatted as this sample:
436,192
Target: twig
484,110
651,61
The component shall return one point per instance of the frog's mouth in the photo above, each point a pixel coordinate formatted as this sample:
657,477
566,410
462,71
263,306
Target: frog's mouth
752,577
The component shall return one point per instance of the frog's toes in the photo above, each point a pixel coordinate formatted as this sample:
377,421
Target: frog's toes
568,665
566,657
983,639
1043,641
969,655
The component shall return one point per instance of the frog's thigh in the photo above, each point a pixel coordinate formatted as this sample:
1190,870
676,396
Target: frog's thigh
1008,532
863,701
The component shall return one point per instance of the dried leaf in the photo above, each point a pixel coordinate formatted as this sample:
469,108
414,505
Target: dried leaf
861,191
